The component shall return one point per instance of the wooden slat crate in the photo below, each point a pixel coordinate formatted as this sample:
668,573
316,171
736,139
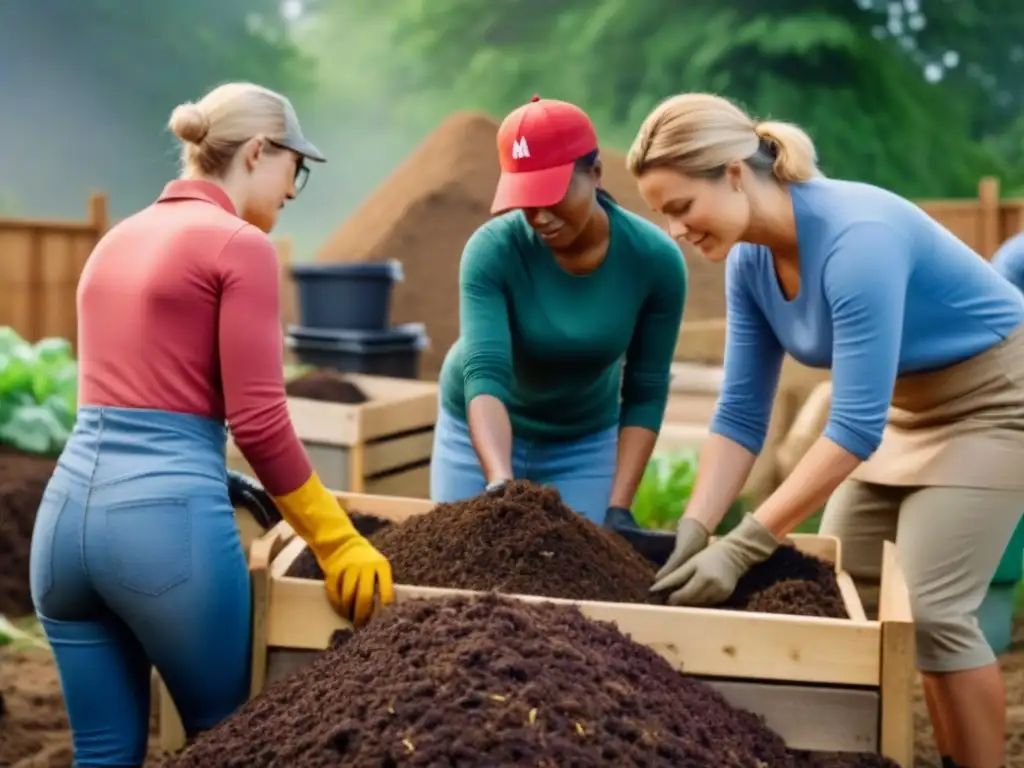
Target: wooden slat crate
822,684
172,735
381,447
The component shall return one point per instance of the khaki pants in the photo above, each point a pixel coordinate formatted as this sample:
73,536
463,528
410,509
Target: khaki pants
949,543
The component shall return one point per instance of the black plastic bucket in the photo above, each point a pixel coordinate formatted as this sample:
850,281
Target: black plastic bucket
346,296
394,352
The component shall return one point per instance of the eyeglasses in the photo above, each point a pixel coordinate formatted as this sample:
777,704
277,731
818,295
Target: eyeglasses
301,175
301,169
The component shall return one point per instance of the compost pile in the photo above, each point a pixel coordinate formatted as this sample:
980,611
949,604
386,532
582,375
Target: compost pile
527,541
426,210
326,385
23,478
488,681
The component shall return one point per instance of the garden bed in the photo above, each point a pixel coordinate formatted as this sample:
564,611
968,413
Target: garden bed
528,542
363,434
488,680
821,683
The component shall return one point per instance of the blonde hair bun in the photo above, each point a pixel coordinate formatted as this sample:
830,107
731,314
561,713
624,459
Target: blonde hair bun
189,123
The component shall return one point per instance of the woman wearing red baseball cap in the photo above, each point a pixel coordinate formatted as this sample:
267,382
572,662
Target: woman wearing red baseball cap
570,309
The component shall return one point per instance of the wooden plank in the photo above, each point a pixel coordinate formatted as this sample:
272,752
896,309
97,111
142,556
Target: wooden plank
697,641
697,378
334,465
812,718
690,408
384,455
172,732
395,405
850,597
701,341
413,482
898,662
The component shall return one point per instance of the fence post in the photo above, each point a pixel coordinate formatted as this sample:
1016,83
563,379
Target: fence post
98,215
988,199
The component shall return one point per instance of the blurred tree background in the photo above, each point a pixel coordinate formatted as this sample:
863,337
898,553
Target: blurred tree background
920,96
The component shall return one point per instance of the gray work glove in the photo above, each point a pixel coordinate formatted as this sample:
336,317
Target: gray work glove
691,538
710,577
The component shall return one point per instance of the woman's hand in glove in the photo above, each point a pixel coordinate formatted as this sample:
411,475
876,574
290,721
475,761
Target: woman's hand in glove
691,538
710,577
245,491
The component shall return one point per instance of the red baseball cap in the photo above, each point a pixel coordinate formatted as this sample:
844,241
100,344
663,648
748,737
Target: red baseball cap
538,146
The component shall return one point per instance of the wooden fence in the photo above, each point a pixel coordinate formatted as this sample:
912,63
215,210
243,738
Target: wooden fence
985,222
40,261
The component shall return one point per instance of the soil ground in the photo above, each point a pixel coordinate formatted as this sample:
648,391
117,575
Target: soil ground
22,480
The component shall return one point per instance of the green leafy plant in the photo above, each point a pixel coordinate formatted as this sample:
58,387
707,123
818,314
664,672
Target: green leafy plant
665,489
38,392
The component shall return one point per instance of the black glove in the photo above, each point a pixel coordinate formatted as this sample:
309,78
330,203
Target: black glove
246,492
619,517
656,546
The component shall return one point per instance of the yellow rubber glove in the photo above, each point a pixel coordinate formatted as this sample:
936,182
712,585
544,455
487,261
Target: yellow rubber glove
710,576
353,569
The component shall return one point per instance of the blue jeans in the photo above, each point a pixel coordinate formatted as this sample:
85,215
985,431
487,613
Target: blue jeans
137,562
581,470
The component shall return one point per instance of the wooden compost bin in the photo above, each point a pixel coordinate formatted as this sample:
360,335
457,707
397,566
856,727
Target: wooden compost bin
172,735
822,684
379,447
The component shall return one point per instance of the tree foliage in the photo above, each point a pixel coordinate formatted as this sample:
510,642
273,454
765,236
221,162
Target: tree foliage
137,61
866,102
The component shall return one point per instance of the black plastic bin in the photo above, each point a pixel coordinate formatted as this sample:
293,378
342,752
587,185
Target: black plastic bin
353,297
394,352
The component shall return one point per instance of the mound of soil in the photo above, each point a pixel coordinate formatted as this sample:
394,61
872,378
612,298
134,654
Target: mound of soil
790,582
425,211
23,478
527,541
488,681
326,385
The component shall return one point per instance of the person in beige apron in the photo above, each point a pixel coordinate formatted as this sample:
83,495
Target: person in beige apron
925,342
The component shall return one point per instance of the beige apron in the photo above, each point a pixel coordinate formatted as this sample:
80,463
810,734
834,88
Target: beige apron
959,426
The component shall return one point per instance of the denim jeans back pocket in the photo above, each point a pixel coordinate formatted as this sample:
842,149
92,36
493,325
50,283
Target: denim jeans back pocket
44,536
150,543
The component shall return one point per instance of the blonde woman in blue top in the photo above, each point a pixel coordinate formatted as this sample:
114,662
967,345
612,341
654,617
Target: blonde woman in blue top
1009,260
850,277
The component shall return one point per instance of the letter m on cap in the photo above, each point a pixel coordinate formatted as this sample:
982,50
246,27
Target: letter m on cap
520,149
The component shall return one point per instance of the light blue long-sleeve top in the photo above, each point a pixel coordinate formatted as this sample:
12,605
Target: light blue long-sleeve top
1009,260
884,291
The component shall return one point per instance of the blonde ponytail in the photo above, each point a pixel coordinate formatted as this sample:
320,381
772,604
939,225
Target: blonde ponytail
793,150
698,134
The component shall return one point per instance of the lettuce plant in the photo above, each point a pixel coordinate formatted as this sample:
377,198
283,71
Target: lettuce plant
666,488
38,392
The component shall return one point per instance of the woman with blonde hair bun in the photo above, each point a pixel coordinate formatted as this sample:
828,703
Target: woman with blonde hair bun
136,558
926,425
